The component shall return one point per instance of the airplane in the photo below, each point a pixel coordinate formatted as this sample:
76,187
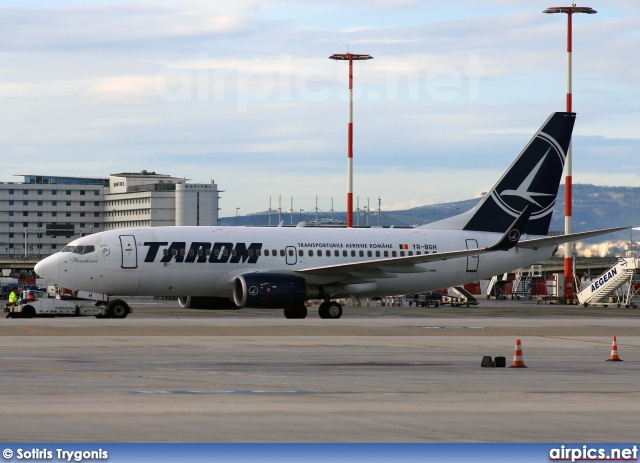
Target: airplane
283,267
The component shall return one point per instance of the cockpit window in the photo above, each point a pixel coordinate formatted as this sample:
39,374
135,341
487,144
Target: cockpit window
78,250
68,249
88,249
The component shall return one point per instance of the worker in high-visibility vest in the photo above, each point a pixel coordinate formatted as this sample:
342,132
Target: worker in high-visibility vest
13,297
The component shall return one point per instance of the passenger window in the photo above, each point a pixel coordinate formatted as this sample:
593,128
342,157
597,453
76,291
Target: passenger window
353,253
426,252
410,253
336,253
401,253
233,252
345,254
369,254
377,253
328,253
319,253
417,253
258,252
310,253
361,253
225,252
165,252
191,252
250,252
394,254
200,252
266,252
182,252
281,252
301,253
174,252
291,252
216,252
274,252
386,253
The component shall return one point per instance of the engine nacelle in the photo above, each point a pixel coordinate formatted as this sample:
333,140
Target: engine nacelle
272,291
206,303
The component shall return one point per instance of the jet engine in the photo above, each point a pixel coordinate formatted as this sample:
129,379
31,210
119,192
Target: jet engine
207,303
272,291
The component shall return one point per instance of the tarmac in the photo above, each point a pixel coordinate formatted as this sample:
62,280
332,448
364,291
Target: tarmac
379,374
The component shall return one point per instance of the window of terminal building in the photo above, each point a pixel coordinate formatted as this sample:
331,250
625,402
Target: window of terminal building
96,192
11,235
25,214
10,192
54,214
25,203
68,192
25,224
68,214
68,203
10,213
96,203
39,192
81,192
25,192
54,192
40,202
82,214
96,214
96,225
54,203
11,202
82,203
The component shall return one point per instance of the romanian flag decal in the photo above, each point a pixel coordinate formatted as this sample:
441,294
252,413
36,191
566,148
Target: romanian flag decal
404,246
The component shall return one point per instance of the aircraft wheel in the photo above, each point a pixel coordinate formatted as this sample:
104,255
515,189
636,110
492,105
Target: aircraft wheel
300,312
118,309
330,310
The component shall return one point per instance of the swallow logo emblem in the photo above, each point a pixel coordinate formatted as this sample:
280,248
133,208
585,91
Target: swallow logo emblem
514,235
514,193
253,291
523,190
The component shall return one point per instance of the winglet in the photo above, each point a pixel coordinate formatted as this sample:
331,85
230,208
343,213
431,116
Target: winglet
513,233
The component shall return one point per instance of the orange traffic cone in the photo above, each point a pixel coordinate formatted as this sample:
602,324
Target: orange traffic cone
517,356
614,352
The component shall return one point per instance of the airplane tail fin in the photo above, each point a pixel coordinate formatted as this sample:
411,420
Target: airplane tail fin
532,180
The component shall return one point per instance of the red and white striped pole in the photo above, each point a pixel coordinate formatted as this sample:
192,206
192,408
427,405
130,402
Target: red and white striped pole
569,293
351,57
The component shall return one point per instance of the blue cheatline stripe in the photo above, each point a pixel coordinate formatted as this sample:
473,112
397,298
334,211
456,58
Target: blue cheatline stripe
224,391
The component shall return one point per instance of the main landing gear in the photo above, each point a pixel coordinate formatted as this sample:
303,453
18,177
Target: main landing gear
330,309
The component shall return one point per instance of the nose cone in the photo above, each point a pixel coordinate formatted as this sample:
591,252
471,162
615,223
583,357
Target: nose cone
49,268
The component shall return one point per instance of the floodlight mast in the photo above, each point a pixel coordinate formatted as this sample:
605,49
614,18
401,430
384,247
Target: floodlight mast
569,277
351,58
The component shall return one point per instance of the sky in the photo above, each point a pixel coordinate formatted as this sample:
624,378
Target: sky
241,92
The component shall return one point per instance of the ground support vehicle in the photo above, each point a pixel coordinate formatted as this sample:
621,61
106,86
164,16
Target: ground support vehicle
425,299
84,304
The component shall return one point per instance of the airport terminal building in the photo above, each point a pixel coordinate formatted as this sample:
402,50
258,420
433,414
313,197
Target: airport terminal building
43,213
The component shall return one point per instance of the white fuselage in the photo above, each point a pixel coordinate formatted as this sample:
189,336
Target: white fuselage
204,261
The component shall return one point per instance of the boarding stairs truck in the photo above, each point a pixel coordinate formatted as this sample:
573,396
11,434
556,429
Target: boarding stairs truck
609,287
522,284
83,303
460,296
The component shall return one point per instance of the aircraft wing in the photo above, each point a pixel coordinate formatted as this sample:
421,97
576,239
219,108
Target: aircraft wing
561,239
390,267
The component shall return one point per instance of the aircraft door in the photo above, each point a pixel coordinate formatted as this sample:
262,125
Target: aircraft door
291,255
129,251
472,261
